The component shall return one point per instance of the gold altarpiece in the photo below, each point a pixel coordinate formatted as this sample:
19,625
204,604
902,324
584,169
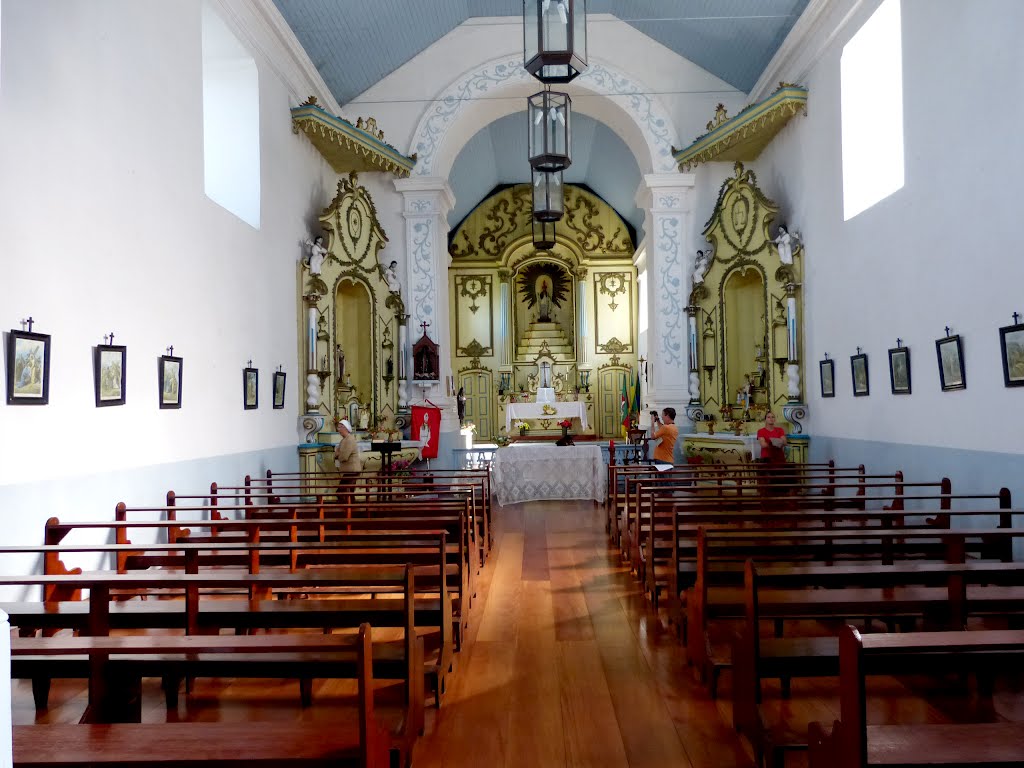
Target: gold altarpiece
351,325
744,323
515,308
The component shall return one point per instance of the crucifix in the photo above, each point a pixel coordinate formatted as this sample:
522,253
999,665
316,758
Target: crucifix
1016,317
424,326
899,342
109,340
29,323
249,364
170,351
947,330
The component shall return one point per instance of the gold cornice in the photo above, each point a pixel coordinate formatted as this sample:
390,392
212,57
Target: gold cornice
745,135
348,147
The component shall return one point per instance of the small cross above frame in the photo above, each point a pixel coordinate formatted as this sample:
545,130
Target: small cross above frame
109,340
170,351
248,364
424,325
29,323
947,330
1016,318
899,342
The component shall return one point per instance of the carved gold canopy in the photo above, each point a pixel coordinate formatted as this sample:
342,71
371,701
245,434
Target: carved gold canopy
745,135
347,147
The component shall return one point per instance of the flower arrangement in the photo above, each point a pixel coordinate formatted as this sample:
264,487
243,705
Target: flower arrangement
522,426
565,423
468,426
401,466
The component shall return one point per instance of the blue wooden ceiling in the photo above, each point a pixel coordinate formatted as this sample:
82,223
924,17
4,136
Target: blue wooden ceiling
356,43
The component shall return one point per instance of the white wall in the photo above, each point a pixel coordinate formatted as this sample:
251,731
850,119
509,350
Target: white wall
104,226
944,250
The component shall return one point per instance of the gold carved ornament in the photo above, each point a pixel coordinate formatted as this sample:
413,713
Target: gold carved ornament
473,287
612,284
355,229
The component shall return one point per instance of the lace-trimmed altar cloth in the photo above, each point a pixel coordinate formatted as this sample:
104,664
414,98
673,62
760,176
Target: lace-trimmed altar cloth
570,410
529,472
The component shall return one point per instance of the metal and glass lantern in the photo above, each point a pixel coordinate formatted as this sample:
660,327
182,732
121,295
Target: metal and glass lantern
549,145
555,39
548,201
543,235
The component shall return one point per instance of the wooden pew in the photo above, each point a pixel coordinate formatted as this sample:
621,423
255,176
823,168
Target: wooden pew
716,593
888,591
359,741
855,744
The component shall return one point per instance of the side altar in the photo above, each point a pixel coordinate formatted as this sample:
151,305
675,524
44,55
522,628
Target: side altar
743,314
352,333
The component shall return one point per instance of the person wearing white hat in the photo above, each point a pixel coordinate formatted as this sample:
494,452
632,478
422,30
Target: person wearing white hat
346,453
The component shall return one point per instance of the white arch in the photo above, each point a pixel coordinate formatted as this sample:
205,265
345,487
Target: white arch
468,104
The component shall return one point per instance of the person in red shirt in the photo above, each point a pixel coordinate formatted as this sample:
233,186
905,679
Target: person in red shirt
772,440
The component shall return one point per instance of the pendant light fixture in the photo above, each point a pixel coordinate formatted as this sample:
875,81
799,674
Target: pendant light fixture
555,39
549,114
543,235
548,201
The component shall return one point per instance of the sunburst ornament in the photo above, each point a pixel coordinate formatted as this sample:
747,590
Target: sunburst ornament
536,276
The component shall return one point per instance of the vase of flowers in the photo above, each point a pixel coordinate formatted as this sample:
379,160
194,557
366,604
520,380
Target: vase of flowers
565,424
523,427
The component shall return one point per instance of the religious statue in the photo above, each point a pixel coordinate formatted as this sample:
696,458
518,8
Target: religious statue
544,303
425,365
460,404
348,380
317,254
339,359
364,415
390,275
785,243
743,393
700,266
389,367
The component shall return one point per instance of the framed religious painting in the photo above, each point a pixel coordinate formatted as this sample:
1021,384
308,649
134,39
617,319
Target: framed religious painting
899,370
28,368
109,374
169,370
859,370
827,369
250,388
279,382
1011,344
950,352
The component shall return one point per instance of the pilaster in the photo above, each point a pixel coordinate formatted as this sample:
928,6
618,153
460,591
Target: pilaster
667,199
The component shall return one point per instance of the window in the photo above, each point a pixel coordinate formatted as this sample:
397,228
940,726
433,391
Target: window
231,121
871,83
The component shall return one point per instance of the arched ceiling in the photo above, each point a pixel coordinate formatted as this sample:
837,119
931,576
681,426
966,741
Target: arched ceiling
497,155
354,43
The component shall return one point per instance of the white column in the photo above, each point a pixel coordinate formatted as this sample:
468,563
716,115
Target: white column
6,735
667,199
582,351
427,201
504,314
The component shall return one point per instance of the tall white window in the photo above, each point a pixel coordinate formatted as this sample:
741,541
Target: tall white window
231,121
871,72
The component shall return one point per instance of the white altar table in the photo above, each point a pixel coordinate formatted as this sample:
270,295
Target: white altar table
575,410
528,472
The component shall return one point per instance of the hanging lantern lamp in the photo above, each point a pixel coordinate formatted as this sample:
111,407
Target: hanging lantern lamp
548,201
543,235
555,39
549,139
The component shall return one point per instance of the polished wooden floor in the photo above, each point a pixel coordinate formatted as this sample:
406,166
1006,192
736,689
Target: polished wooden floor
565,664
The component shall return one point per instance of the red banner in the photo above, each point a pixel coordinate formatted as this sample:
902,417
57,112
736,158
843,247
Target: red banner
426,423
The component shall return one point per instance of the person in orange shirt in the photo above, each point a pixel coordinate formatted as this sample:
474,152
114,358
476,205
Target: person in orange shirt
666,431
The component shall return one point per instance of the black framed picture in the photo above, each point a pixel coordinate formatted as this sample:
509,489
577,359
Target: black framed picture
827,369
1011,343
28,368
169,370
250,388
859,370
899,370
950,352
109,374
279,382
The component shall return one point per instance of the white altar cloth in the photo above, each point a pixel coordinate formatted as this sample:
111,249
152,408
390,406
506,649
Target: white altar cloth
515,411
531,471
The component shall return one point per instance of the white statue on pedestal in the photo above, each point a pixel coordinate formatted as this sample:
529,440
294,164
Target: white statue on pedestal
317,254
786,244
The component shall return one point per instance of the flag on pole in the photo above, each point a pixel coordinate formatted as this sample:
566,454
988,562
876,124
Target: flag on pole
624,407
636,396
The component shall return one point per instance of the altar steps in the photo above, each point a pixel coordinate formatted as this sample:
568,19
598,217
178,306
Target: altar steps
538,335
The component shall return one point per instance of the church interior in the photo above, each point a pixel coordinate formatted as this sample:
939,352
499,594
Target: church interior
607,359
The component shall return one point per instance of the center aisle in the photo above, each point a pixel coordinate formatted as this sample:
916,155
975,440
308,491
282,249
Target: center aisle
566,665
